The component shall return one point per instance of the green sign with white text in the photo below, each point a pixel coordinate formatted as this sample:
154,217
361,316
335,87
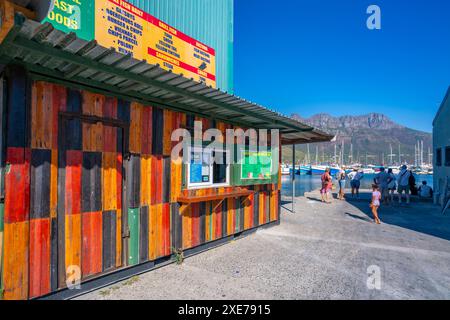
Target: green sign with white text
74,16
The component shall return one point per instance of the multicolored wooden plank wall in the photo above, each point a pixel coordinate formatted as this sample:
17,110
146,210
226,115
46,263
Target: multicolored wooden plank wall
70,155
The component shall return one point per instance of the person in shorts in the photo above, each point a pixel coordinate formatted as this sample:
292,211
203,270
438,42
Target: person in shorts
403,184
376,203
355,181
341,177
392,186
383,179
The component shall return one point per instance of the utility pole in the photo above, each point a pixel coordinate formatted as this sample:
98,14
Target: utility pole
399,155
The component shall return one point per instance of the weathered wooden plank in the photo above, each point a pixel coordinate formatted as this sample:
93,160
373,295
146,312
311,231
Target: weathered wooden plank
262,205
144,234
93,137
158,128
109,240
187,227
153,221
72,186
16,260
54,184
256,210
110,108
17,94
40,183
93,104
110,138
195,225
54,254
146,183
177,222
92,230
42,115
166,179
109,181
166,229
73,239
136,128
119,238
74,101
218,220
123,110
133,244
146,130
2,212
134,181
167,132
91,194
157,180
39,283
202,222
159,231
17,185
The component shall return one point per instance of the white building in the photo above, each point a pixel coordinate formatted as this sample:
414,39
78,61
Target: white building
441,146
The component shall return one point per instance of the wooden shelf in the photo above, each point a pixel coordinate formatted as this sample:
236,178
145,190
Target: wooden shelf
215,197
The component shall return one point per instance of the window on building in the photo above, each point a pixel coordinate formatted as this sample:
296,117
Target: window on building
208,168
447,157
439,157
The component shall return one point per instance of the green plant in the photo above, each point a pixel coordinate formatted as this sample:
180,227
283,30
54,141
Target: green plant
179,256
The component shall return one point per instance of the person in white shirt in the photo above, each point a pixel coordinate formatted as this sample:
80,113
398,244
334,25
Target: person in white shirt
425,191
355,181
403,184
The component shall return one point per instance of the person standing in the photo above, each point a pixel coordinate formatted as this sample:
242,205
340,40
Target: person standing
355,181
341,177
375,204
383,179
392,186
425,191
403,184
327,186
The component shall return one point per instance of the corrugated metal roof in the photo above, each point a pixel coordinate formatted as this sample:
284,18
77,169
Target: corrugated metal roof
52,53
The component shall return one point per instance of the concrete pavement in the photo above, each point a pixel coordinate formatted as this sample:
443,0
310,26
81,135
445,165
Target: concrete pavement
320,252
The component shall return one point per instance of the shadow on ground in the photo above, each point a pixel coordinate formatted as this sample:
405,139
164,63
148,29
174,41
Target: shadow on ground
423,217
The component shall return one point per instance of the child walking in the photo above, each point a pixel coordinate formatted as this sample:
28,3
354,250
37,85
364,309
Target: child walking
376,198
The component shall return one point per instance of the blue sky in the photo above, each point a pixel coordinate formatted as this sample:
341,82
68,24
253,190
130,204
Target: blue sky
314,56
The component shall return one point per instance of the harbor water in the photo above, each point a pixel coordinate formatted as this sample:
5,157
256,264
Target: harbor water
307,183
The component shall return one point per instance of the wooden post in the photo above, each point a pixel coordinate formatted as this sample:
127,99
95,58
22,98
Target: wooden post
293,178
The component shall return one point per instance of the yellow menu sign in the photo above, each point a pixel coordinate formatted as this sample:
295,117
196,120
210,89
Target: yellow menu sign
130,30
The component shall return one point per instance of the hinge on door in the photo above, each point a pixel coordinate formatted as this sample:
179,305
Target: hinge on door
126,234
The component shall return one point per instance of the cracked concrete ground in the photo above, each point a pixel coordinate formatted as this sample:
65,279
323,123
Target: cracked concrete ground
320,252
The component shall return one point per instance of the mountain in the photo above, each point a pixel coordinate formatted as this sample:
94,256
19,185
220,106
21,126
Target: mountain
371,135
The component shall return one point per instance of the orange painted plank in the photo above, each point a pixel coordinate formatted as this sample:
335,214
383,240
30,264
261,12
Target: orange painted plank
93,104
91,261
39,283
109,181
93,137
72,241
262,206
146,183
230,217
16,260
187,227
208,221
159,231
110,138
218,220
135,128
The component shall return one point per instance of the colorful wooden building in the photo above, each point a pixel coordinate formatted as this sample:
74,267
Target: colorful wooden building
90,191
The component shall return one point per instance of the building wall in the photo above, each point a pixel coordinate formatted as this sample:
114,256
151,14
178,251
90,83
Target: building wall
209,21
441,139
65,203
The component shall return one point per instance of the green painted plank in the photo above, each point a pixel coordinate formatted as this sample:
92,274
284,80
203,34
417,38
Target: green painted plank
133,245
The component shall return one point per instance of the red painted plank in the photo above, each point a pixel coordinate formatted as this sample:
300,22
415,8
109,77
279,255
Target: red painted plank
91,252
39,283
157,176
147,132
73,181
110,108
166,226
17,185
218,221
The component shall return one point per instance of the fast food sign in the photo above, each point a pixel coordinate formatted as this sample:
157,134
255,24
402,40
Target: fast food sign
130,30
